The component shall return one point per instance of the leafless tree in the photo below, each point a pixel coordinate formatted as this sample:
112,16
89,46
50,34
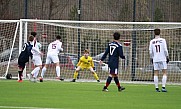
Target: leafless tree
4,7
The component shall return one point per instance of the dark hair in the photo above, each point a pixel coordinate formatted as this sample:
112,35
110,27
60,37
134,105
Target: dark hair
157,31
31,38
58,37
33,34
116,36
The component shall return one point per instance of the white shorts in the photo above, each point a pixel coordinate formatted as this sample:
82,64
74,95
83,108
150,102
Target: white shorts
160,65
52,58
37,60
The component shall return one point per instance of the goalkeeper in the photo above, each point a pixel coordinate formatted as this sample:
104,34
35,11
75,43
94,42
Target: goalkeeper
85,62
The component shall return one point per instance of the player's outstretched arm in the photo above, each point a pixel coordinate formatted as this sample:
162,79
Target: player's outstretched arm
105,53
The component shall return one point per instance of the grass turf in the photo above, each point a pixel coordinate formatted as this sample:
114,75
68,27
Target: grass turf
79,95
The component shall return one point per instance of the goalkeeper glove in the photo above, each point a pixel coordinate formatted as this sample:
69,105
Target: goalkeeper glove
167,60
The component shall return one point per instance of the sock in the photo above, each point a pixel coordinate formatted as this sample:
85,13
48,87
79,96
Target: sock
58,71
20,75
95,76
75,74
117,81
35,72
109,79
43,71
156,81
164,79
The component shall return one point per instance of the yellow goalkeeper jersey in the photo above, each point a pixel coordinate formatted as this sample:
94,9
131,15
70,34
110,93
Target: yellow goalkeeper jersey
85,63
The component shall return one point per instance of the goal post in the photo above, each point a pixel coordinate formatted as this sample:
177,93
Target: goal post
95,35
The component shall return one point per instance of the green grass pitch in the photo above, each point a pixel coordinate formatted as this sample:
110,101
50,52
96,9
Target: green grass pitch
87,95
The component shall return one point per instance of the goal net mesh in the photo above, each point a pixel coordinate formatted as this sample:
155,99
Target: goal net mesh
9,43
95,35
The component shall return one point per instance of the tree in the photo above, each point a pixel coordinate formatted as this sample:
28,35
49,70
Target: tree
73,15
4,4
158,15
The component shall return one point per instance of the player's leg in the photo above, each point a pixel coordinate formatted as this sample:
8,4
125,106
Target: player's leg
164,78
57,70
156,80
36,70
156,71
43,72
21,66
48,60
94,74
20,72
120,88
38,65
108,81
76,73
55,59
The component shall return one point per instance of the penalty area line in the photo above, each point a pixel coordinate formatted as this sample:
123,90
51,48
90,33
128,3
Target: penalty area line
14,107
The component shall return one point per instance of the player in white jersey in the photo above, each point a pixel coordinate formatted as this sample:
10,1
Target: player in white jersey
159,58
36,51
52,56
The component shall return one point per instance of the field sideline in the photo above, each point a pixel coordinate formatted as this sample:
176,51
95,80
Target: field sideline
85,95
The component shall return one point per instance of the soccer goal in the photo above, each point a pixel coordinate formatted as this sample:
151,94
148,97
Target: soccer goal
95,35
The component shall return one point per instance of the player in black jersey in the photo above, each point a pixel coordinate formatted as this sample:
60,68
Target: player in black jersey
115,51
24,56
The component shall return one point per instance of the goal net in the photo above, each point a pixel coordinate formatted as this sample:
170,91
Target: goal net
95,35
9,46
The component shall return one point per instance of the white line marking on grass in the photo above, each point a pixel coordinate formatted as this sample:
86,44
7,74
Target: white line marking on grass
173,86
136,85
14,107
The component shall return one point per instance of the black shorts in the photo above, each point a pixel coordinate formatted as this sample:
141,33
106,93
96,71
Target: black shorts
21,64
113,70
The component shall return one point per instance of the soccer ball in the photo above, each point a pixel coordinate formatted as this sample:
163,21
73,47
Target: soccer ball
8,76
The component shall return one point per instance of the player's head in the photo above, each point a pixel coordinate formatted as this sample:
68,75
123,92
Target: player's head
58,37
33,34
86,53
31,38
157,31
116,36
